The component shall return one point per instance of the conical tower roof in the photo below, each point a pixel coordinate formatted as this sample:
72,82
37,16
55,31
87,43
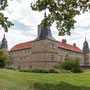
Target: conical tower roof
4,43
85,46
44,33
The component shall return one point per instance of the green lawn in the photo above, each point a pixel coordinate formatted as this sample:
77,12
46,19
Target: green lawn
14,80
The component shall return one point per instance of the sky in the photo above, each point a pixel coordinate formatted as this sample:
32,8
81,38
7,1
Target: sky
26,21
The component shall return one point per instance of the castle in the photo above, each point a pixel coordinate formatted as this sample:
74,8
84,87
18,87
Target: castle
45,51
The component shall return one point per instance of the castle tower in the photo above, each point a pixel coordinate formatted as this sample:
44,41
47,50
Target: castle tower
44,48
4,43
85,46
86,53
44,33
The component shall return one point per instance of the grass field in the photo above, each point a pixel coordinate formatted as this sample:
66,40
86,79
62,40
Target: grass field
14,80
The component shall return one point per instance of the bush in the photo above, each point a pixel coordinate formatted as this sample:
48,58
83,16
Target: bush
57,66
51,70
10,67
71,64
35,70
64,71
77,70
4,58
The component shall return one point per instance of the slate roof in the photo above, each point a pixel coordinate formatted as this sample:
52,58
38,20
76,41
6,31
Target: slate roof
27,45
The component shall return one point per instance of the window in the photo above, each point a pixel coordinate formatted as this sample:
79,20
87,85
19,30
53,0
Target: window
52,57
52,45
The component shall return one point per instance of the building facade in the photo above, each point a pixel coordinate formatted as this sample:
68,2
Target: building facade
45,51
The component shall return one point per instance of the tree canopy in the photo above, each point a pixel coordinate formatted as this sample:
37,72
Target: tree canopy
4,58
62,12
4,22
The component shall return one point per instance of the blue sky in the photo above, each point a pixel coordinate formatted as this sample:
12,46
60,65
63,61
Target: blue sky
26,21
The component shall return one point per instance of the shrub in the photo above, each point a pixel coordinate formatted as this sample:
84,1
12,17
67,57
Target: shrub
57,66
4,58
77,70
35,70
71,64
64,71
10,67
52,70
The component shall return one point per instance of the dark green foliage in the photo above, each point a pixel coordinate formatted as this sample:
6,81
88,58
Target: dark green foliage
77,70
36,70
10,67
4,22
62,12
2,63
51,70
57,66
4,58
71,64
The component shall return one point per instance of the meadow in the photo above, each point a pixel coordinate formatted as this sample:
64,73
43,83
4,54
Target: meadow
15,80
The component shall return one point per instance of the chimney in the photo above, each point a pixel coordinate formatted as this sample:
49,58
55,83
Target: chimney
74,44
64,41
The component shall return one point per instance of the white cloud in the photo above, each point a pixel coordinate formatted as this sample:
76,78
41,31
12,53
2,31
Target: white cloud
20,11
83,20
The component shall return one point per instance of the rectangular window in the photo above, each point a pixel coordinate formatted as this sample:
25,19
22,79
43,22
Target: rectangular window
52,57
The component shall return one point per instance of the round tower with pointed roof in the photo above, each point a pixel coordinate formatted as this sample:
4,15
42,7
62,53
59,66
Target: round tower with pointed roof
4,43
85,46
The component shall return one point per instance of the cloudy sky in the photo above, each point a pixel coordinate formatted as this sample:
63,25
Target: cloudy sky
25,25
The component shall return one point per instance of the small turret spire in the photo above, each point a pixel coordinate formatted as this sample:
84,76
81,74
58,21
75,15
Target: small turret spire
4,36
45,14
85,38
85,46
4,43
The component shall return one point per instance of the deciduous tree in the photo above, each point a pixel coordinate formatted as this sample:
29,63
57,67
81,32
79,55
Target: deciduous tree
4,58
4,22
62,12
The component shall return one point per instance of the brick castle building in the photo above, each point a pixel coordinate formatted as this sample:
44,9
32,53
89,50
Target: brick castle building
45,51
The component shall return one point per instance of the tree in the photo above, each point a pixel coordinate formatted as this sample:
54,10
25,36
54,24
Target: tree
62,12
4,22
4,58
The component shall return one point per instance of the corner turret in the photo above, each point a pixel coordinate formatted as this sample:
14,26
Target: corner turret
4,43
85,46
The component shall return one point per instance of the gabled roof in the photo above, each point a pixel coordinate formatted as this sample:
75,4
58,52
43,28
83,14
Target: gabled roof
22,46
69,47
27,45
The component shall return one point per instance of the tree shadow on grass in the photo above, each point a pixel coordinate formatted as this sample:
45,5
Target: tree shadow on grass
61,86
